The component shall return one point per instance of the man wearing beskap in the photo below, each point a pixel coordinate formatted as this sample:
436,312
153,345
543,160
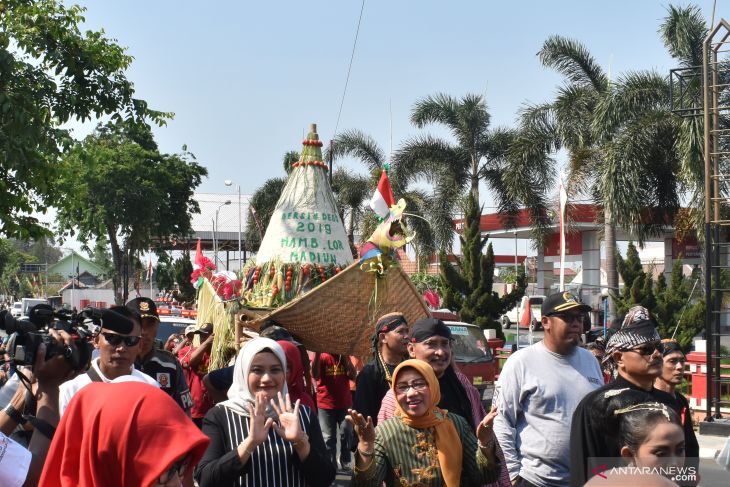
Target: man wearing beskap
158,364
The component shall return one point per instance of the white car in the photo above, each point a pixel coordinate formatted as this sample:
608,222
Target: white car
515,314
17,310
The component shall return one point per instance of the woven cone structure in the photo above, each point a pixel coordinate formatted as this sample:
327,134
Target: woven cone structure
339,315
305,243
306,226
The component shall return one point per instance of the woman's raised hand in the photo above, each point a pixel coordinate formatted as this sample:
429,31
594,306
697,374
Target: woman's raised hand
484,430
364,429
289,426
259,424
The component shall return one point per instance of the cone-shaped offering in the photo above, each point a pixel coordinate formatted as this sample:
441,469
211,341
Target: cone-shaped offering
305,242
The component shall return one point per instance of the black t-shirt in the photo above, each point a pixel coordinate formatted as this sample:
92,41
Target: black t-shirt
165,369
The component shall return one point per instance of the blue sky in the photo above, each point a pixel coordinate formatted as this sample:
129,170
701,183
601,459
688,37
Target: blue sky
246,78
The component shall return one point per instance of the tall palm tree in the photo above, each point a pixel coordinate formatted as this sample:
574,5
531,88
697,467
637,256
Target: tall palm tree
351,191
361,146
479,154
626,149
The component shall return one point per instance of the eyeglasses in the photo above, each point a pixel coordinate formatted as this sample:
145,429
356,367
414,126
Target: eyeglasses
417,386
569,317
648,349
115,340
179,468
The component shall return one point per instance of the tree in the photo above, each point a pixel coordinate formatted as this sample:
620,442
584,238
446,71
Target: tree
11,258
479,155
261,206
119,186
467,287
100,255
351,191
50,74
667,304
357,192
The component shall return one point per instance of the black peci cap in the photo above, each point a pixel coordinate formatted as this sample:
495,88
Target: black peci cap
425,328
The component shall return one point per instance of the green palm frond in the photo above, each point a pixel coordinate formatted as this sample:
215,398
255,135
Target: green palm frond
573,109
574,61
355,143
439,108
683,31
634,92
290,158
424,156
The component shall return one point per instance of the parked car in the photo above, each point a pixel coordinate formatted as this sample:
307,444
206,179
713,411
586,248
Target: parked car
528,304
474,358
17,310
170,325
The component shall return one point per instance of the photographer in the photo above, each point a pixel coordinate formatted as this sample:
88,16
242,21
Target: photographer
19,466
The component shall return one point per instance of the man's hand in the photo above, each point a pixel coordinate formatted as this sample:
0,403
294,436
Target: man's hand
55,371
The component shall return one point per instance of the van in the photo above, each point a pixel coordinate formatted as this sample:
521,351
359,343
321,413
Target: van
474,358
170,325
527,313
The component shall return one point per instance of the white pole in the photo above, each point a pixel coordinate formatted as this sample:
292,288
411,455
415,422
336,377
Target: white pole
240,255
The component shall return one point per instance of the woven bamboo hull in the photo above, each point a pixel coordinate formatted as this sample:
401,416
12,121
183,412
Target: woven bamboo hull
339,315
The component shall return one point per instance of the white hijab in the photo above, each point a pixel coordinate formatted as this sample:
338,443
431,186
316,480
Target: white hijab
239,395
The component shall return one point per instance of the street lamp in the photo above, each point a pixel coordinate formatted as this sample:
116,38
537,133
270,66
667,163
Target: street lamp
215,229
228,182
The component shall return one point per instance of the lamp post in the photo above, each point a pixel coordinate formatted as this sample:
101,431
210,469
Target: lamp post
228,182
215,229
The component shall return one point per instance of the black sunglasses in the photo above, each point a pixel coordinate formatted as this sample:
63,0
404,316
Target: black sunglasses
648,349
569,317
115,340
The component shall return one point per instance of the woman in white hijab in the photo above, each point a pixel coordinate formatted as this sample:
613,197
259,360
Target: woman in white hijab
257,436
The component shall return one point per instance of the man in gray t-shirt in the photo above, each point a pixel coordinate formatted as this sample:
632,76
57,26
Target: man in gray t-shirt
537,392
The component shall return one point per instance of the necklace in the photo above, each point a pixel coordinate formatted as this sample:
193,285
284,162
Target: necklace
388,375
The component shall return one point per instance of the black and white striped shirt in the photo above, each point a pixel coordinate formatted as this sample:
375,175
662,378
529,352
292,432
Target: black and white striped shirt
274,463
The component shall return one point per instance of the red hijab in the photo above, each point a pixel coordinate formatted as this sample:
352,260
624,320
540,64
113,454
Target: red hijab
295,377
120,435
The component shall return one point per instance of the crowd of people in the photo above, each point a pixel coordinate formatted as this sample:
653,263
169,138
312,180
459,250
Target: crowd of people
281,415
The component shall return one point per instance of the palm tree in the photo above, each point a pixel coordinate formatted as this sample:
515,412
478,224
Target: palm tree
357,144
627,151
479,154
351,191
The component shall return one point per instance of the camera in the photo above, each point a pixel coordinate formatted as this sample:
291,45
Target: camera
26,336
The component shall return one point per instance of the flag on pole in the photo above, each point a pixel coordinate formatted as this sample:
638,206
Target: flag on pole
149,270
563,203
382,199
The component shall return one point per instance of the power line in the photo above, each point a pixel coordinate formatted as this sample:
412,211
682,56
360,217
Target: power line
349,68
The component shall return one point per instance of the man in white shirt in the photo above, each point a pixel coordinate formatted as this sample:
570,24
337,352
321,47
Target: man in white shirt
117,353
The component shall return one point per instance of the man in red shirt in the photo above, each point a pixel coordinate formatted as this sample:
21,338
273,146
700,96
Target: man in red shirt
333,374
194,361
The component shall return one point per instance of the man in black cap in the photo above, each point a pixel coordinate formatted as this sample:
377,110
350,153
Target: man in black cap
635,354
539,387
158,364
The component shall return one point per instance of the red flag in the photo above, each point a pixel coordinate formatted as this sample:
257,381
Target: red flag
199,262
149,270
382,199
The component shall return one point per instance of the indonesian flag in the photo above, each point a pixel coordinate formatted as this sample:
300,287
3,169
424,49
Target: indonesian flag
563,203
382,199
149,270
199,264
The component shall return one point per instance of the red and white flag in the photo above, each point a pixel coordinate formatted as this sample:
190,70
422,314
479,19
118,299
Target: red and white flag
199,262
149,270
382,199
563,203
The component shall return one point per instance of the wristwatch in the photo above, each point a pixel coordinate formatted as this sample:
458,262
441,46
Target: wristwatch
15,414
